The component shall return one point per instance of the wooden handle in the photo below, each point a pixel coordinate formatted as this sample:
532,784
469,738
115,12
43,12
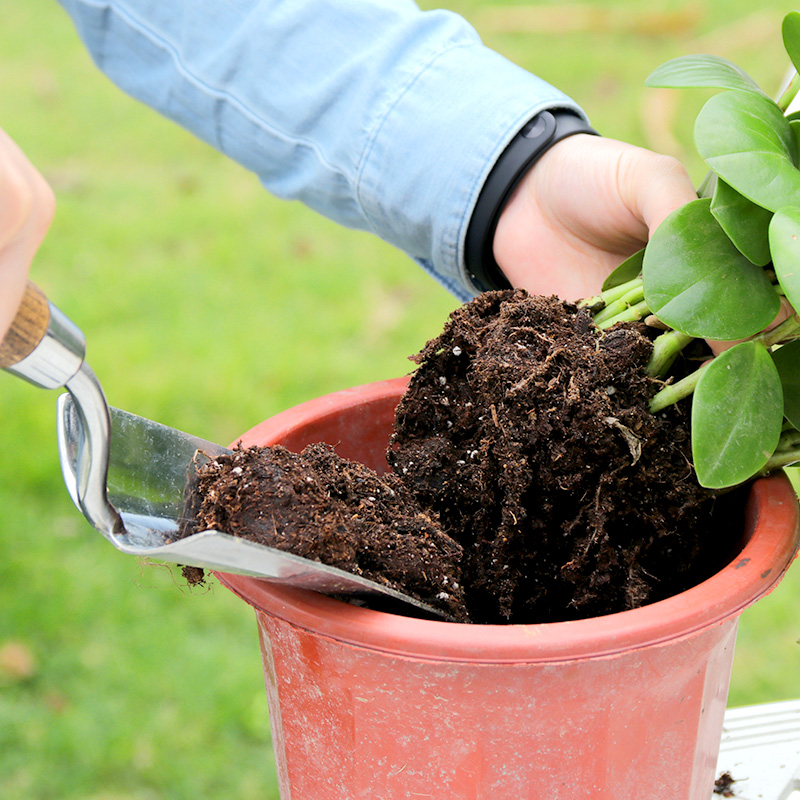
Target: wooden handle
27,329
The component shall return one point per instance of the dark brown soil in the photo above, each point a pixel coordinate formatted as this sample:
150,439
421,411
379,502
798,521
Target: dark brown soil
724,785
322,507
526,469
527,430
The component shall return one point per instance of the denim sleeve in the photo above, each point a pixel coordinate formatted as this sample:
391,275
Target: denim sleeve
372,112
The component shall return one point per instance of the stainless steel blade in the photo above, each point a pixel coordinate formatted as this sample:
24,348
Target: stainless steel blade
149,465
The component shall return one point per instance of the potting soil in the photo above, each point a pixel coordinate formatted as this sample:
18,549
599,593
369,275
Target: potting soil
529,482
322,507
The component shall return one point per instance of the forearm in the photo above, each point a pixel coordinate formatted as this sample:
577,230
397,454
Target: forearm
375,114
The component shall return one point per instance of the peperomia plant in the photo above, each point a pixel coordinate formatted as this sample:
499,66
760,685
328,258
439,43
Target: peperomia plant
717,269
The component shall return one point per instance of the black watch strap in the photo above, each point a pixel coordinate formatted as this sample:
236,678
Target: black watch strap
538,136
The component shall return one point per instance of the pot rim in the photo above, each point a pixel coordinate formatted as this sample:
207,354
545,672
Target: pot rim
772,531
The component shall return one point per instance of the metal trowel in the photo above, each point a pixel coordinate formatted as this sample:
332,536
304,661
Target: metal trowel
127,474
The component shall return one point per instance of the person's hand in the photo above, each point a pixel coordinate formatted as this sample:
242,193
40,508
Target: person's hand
26,209
586,205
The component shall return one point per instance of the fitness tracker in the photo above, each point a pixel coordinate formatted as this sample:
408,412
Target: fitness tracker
538,136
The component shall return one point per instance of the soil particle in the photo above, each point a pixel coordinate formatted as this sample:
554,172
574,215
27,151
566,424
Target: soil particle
724,785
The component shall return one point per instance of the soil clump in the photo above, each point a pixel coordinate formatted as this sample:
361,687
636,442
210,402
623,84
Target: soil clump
527,430
526,471
322,507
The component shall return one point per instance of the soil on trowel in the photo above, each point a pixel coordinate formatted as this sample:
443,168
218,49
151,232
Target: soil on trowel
526,430
325,508
529,481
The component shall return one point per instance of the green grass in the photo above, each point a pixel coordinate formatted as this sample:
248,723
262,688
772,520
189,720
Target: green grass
210,306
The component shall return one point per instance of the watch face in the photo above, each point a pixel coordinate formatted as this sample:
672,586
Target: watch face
538,125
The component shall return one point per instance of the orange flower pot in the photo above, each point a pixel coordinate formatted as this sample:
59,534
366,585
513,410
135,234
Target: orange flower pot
366,705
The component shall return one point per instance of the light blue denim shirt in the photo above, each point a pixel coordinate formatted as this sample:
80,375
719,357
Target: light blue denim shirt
374,113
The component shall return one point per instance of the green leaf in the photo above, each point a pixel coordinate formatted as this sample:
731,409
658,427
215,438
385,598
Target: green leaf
745,223
790,29
628,270
696,281
795,125
749,143
787,360
784,240
737,415
702,70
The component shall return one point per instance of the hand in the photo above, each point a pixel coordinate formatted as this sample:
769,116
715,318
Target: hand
26,209
586,205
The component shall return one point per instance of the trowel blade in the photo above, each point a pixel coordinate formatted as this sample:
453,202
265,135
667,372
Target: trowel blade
149,466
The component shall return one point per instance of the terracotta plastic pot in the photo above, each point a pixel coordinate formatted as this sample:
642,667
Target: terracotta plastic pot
366,705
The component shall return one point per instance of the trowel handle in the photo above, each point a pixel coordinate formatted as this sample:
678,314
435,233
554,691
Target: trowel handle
42,345
45,348
28,328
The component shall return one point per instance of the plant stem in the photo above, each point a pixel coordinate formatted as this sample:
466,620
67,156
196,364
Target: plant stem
787,331
612,311
789,93
670,395
629,314
666,348
786,453
602,300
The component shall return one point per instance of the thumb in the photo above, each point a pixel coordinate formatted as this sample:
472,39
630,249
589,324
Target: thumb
653,185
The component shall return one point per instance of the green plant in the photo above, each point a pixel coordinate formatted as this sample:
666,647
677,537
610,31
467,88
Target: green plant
717,269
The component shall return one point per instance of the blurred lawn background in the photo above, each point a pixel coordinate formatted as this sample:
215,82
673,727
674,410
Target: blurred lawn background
209,306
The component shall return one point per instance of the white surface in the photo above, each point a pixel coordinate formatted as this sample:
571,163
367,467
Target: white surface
761,751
